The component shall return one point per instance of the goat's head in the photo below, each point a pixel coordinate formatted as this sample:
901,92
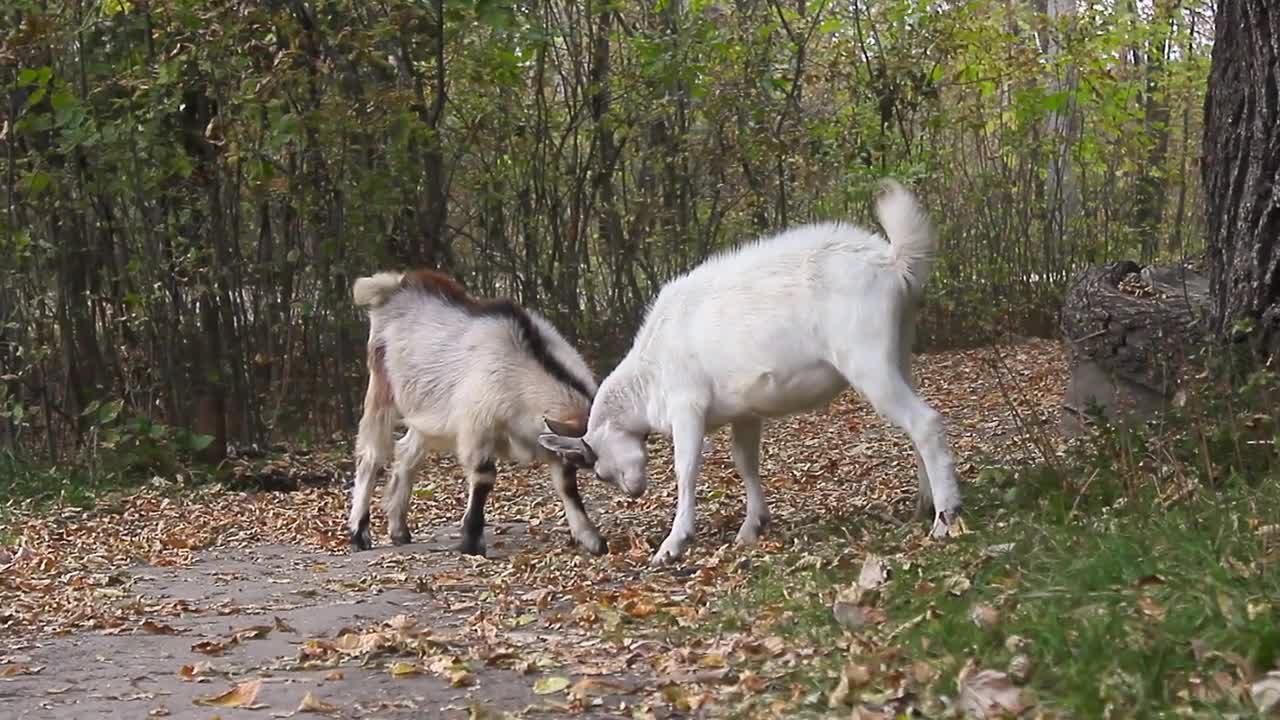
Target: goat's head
617,456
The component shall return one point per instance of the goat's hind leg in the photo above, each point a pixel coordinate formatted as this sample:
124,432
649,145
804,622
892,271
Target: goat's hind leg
397,495
746,459
887,389
581,529
373,450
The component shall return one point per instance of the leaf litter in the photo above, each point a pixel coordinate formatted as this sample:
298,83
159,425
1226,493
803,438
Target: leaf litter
580,628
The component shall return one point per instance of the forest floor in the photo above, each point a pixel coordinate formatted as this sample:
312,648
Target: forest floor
208,601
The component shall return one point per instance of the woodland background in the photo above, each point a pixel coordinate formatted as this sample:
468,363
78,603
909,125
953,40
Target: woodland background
191,187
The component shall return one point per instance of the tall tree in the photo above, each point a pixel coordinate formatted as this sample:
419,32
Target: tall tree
1242,169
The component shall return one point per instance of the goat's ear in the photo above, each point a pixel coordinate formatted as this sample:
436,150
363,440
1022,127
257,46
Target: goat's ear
575,428
573,450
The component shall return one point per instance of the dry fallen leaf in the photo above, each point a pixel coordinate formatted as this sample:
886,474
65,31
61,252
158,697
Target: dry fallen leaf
852,677
873,573
241,696
550,684
253,632
957,585
984,616
589,686
156,628
403,669
211,647
856,616
988,693
1265,693
1151,608
313,705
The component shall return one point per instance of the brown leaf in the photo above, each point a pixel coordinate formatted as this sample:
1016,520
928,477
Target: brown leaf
984,616
241,696
282,625
156,628
253,632
589,686
212,647
1151,608
852,677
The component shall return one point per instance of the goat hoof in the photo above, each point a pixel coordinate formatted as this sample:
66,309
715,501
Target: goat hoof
401,538
472,546
360,540
595,545
947,523
667,554
752,530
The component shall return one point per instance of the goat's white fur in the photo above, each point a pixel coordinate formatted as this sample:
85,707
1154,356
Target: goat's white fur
773,328
461,382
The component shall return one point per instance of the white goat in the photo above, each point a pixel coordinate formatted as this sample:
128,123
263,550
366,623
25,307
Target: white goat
770,329
472,376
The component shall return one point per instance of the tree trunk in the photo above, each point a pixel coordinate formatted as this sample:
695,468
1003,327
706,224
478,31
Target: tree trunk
1241,169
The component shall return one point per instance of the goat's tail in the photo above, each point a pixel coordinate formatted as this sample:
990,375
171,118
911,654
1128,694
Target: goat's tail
375,290
913,243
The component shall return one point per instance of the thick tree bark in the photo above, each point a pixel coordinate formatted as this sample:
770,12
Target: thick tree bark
1241,170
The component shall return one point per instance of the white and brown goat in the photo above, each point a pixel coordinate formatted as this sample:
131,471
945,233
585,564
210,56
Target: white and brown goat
466,375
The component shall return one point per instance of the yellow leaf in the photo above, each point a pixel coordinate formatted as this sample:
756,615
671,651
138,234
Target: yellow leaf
712,660
403,669
242,695
311,704
550,684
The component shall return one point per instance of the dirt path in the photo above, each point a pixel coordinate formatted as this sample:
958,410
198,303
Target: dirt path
288,596
132,609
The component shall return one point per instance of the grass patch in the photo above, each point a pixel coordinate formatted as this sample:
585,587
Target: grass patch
1137,577
1136,610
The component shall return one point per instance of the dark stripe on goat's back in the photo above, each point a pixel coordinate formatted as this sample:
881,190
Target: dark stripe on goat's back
452,292
534,342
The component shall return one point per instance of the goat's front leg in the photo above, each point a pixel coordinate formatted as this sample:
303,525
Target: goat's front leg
746,459
581,528
686,437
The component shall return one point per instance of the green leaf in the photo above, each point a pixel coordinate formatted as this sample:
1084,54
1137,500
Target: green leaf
37,182
109,411
200,442
91,408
